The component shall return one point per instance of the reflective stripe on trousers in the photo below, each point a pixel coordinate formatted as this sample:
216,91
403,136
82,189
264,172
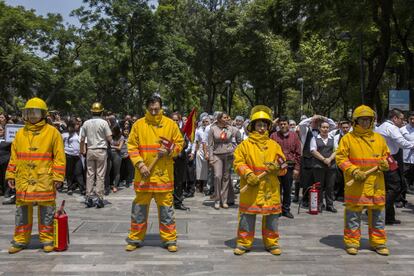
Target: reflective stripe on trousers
24,222
376,224
246,229
139,217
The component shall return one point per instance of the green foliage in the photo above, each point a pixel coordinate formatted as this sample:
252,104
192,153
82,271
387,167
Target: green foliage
199,53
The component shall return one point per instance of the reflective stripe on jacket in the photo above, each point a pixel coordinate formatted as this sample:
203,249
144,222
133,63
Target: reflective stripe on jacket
356,152
143,145
251,157
37,160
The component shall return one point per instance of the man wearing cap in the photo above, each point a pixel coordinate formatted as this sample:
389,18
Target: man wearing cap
97,134
35,170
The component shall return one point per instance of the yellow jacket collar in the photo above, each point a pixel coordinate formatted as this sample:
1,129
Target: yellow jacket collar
35,127
153,120
260,139
359,131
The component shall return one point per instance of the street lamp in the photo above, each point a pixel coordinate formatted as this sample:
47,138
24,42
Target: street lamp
228,83
301,95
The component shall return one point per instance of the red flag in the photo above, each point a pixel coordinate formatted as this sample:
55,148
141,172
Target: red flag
190,125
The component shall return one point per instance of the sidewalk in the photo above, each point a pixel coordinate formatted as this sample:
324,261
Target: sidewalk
311,245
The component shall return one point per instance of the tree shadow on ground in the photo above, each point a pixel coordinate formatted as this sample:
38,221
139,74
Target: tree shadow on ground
409,208
258,244
35,243
337,241
210,203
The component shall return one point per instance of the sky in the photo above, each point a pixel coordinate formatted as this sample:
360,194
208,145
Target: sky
43,7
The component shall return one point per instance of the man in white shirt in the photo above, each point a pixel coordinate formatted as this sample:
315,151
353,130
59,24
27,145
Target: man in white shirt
98,133
408,154
390,130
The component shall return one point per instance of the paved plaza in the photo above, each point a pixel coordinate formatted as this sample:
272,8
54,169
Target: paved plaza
311,245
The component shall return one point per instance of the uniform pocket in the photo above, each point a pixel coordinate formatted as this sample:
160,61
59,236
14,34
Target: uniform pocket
45,179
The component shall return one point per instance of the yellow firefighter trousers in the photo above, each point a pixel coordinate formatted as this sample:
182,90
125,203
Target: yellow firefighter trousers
139,218
376,224
246,229
24,222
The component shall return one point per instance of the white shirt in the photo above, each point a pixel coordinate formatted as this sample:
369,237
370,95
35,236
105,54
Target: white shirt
198,138
243,134
392,134
96,130
72,145
305,124
408,133
205,135
336,141
313,146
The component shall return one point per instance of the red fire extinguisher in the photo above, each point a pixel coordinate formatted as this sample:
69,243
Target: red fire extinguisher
61,227
393,164
314,199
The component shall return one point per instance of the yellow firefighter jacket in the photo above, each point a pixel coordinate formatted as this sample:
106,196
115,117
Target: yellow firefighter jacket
362,151
37,160
143,145
250,156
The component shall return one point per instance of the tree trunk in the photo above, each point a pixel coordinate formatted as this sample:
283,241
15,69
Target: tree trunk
381,12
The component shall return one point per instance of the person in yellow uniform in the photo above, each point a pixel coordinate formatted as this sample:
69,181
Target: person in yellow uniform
35,170
255,155
144,145
358,151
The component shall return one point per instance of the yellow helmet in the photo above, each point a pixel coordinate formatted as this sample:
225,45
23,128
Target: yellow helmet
34,111
260,112
36,103
363,111
97,107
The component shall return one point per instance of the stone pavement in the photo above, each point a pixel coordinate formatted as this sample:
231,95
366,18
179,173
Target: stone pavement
311,245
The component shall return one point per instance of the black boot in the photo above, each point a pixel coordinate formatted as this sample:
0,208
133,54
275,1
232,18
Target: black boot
100,203
89,202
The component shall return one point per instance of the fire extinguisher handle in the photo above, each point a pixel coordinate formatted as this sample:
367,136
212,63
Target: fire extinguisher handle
62,206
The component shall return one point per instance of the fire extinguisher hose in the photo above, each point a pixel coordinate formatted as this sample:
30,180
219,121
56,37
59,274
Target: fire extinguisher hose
301,200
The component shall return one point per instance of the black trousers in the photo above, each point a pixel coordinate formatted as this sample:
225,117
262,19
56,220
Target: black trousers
127,170
3,182
326,176
74,173
306,179
339,184
179,180
116,162
107,182
403,187
190,180
392,188
408,174
286,185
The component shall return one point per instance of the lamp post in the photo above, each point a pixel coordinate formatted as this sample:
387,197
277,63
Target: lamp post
300,80
228,83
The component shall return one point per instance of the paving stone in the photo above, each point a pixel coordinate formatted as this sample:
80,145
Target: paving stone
311,245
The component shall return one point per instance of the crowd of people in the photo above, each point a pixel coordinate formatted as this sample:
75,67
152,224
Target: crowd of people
153,155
